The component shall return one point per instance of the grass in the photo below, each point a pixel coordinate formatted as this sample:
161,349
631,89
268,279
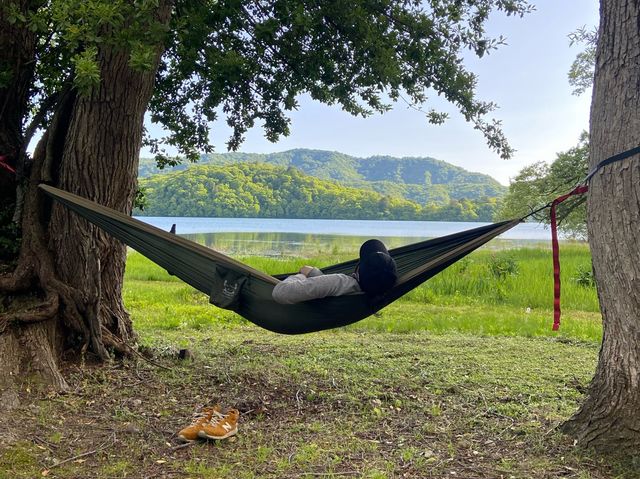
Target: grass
448,382
348,404
469,297
518,278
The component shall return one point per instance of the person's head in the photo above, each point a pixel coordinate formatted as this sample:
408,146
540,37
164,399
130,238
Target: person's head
377,271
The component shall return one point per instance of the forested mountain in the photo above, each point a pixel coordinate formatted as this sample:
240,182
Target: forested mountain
268,191
422,180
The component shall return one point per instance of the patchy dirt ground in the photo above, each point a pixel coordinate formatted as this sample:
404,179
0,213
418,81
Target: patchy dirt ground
324,405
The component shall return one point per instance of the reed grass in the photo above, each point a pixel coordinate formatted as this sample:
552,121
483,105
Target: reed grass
496,293
526,280
473,280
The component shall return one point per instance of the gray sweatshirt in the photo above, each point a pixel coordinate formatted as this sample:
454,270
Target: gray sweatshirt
298,287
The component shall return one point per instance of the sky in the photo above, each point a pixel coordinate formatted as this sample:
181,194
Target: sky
527,78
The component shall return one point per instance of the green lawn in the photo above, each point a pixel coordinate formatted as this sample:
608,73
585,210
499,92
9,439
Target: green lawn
449,382
333,404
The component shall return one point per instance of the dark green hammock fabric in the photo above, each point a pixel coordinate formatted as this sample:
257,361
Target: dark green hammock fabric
233,285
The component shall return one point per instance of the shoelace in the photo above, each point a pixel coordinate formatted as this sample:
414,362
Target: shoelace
201,416
220,417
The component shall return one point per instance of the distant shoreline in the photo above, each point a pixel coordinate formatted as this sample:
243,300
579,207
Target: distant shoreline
354,228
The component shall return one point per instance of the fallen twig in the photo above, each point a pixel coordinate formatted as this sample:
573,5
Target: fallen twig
85,454
329,474
182,446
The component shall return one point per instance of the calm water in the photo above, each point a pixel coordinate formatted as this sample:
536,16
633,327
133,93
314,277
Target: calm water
275,237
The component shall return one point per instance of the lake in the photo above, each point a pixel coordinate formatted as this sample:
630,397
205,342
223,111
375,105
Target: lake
289,237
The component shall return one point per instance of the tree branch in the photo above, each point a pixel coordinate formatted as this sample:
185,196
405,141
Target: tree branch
47,105
85,454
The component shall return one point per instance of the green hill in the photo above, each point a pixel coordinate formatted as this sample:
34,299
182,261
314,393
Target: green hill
268,191
421,180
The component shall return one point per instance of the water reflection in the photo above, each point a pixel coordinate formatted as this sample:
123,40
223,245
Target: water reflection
307,245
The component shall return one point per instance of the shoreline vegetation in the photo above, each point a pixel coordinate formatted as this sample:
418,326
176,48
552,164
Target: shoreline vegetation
261,190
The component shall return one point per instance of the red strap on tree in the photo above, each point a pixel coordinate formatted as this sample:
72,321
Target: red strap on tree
5,165
556,252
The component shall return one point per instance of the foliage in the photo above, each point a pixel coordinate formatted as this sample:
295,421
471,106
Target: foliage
502,266
540,183
140,201
583,67
72,38
422,180
261,190
250,62
584,276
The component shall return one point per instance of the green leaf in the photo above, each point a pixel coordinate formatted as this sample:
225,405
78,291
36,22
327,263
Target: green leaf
87,71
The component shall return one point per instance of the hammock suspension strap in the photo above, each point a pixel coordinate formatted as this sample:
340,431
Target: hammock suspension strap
578,190
5,165
556,252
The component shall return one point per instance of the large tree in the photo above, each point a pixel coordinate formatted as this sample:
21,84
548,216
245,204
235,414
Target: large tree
609,417
76,71
85,73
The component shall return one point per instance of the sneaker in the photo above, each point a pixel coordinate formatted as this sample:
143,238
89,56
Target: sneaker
190,433
221,426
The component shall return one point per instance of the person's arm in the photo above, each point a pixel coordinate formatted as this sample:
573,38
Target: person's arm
299,288
310,271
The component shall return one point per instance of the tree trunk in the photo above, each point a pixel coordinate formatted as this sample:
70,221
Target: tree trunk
100,161
17,52
609,417
65,294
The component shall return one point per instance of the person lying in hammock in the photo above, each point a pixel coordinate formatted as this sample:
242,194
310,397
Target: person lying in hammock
375,274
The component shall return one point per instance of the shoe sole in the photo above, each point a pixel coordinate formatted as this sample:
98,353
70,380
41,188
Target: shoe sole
203,435
184,439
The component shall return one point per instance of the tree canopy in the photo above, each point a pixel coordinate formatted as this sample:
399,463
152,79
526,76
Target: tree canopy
258,190
420,179
249,61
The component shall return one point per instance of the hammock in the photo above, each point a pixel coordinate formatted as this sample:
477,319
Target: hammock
233,285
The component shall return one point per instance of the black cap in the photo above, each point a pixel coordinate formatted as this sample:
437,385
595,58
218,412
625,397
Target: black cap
377,271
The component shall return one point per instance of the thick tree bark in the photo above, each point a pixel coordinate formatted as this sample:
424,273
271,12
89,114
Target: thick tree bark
17,51
609,417
30,348
65,294
100,161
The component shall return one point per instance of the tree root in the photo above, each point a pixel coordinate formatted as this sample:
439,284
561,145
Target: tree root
42,312
19,280
113,342
124,349
93,307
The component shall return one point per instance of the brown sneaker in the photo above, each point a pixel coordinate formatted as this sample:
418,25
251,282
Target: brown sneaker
221,426
190,433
